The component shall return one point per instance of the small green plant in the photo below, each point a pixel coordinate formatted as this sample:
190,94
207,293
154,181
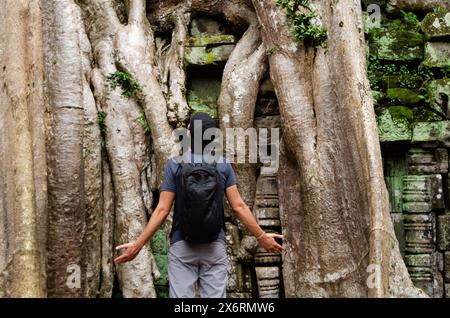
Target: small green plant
303,27
101,121
128,84
439,9
274,49
408,22
410,19
143,121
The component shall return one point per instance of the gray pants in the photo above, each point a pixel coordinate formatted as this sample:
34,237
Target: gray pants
205,263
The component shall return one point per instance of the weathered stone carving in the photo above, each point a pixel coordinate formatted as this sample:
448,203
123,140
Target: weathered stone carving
418,233
268,281
443,232
427,161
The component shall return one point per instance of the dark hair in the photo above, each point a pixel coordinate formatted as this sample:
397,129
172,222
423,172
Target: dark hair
207,122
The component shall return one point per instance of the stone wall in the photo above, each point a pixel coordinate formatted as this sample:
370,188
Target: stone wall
409,67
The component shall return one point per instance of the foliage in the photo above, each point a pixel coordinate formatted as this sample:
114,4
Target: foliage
408,22
439,9
411,20
274,49
128,84
143,121
101,121
302,17
376,69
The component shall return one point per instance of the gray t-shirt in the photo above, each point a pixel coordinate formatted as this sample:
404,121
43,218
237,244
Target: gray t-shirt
171,177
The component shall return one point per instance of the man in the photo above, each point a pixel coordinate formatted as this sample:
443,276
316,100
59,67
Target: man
191,262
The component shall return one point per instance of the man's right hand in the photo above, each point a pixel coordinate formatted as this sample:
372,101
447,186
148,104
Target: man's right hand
132,250
268,242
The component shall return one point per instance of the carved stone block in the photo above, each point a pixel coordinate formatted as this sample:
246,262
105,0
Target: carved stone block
418,233
437,54
422,193
438,93
447,266
438,285
443,232
432,134
210,49
266,201
268,281
436,25
427,161
263,257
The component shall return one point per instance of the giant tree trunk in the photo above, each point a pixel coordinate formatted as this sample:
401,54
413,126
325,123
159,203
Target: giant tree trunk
329,128
22,151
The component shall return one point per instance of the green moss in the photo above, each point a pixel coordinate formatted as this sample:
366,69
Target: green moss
125,81
397,45
404,96
436,25
207,56
101,121
402,81
205,40
210,58
274,49
437,55
301,18
143,122
401,113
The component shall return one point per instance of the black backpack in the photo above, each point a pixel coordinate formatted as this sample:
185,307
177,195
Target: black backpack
201,219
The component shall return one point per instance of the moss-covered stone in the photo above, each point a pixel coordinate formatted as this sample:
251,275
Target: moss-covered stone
209,49
433,133
437,54
438,94
447,267
401,81
201,55
159,242
378,97
206,40
404,95
397,45
394,124
401,113
436,25
419,260
203,90
204,25
443,232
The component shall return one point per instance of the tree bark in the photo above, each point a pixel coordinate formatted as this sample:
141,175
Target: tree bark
328,125
237,102
67,204
23,190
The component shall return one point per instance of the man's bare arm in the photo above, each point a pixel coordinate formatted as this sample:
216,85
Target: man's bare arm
158,216
242,211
